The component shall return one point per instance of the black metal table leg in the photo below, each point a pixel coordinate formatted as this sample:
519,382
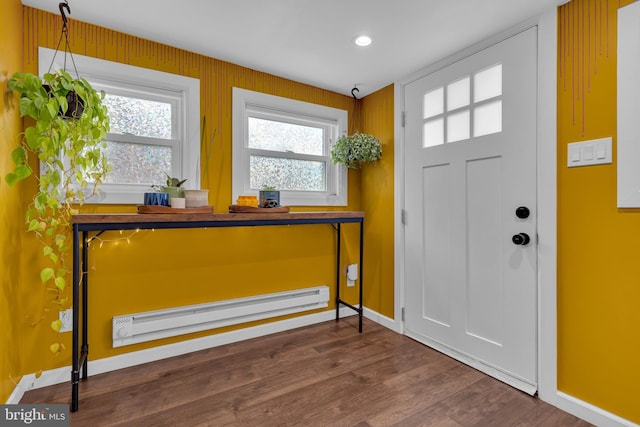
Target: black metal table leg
84,354
361,308
338,273
75,369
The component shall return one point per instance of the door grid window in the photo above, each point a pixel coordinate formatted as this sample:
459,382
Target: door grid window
466,108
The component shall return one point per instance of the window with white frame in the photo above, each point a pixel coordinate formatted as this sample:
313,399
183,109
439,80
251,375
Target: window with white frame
155,126
286,144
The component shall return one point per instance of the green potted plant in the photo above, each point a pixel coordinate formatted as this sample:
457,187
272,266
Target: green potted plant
355,150
174,187
72,164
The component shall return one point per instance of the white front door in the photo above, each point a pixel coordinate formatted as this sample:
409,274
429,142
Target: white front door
470,201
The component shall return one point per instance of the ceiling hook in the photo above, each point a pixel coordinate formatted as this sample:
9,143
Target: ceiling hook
355,89
62,7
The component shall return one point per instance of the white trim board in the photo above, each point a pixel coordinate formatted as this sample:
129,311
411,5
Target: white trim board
547,205
383,320
589,412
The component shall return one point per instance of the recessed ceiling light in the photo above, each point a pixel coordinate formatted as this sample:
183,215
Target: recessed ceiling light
362,40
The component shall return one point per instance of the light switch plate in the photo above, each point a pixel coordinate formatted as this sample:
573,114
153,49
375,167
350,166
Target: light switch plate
589,153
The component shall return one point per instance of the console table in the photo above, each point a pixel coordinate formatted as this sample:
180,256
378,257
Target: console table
83,224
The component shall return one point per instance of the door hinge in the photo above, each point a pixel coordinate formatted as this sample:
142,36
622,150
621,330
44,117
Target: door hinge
403,217
402,119
402,314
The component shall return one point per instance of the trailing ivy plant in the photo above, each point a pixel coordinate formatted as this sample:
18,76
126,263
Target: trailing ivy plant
356,149
72,164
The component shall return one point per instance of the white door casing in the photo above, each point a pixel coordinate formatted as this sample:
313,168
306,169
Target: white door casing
469,290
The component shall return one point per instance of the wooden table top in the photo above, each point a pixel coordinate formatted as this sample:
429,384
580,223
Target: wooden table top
126,218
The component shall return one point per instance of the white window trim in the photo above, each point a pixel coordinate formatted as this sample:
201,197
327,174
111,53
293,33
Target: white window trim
243,101
98,71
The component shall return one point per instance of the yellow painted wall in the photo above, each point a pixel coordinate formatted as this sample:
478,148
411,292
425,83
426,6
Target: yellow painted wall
376,118
11,218
598,268
176,267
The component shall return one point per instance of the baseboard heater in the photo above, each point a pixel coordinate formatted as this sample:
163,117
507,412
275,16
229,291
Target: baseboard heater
152,325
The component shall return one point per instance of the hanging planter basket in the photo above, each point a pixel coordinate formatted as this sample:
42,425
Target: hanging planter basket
75,104
355,150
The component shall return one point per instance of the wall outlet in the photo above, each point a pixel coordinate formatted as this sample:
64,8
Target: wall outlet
352,274
66,316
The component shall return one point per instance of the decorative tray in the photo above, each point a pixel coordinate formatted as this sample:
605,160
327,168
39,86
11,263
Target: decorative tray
156,209
251,209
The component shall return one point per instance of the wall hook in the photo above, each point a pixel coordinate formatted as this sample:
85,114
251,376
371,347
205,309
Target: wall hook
355,89
62,7
64,33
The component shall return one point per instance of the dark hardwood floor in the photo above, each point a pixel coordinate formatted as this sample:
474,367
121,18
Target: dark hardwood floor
320,375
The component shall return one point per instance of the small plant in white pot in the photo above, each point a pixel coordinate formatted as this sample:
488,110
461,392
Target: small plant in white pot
355,150
173,187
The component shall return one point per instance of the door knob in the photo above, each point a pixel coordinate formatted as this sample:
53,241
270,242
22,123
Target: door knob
521,239
523,212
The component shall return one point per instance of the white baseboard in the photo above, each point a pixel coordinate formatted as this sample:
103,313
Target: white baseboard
108,364
19,391
588,412
383,320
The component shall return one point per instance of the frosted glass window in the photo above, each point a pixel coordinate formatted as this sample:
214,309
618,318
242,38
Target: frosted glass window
487,84
433,103
137,163
458,94
139,117
285,137
287,143
433,133
287,174
487,119
458,126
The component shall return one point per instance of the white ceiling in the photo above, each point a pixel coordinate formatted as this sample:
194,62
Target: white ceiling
311,41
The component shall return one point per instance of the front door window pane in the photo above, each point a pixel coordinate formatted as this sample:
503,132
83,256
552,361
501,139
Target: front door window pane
487,119
458,94
433,133
487,84
458,126
433,103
